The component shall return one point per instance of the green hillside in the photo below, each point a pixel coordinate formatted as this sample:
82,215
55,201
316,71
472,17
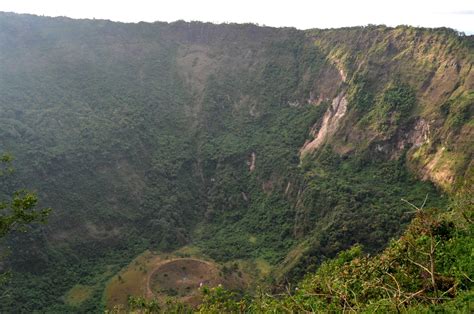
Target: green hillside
250,144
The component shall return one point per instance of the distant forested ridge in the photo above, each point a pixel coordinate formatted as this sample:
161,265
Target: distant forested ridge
250,143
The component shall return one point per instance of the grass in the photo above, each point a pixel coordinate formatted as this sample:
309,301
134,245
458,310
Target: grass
177,274
263,266
131,280
78,294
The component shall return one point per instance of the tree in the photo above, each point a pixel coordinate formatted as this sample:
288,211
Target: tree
19,211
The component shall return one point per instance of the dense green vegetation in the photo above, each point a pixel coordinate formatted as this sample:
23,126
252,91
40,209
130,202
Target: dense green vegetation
153,136
429,269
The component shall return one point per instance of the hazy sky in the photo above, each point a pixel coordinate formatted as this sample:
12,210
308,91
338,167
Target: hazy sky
303,14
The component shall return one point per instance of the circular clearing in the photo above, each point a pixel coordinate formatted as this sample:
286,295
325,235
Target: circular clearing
182,277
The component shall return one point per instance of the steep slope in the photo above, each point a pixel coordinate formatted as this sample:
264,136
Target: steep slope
249,142
437,67
399,84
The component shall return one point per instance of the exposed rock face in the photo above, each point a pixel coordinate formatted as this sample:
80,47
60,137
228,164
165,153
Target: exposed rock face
441,80
154,128
251,162
419,135
327,85
438,170
330,123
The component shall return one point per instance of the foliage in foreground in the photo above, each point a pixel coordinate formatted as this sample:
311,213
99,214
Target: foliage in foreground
108,129
429,268
18,211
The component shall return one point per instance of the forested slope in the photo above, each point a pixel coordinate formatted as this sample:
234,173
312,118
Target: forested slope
248,142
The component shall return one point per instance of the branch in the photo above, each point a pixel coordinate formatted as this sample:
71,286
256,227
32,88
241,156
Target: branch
418,209
467,277
419,265
424,202
396,282
414,206
449,290
411,296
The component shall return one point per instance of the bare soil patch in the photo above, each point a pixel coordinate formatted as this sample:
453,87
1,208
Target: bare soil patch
162,276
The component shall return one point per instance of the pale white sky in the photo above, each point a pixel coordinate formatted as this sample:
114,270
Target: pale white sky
303,14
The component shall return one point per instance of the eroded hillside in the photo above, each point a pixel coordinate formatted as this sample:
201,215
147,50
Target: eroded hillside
251,143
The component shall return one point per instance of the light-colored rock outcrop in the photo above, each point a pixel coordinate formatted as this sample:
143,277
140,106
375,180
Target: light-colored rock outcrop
330,123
